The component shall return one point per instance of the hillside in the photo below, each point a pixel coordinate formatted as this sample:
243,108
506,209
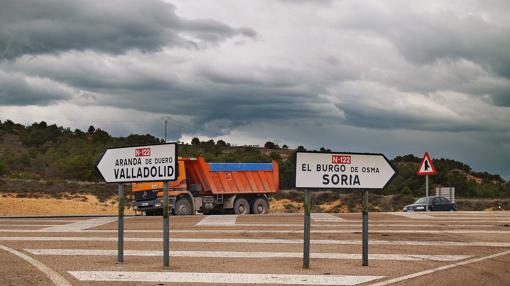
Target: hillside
53,153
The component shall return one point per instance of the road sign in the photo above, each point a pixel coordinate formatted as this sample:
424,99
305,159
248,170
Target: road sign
426,166
365,171
139,164
343,170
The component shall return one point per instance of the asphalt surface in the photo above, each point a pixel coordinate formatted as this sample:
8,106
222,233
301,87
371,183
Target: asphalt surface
454,248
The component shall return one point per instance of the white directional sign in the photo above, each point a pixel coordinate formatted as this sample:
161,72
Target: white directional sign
343,170
139,164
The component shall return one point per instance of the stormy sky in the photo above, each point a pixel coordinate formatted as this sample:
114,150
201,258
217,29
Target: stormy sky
395,77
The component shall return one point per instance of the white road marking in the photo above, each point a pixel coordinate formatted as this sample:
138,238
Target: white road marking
34,225
317,225
430,271
220,278
222,231
218,220
487,219
487,215
56,278
345,225
82,225
440,220
257,241
36,220
325,217
414,215
250,254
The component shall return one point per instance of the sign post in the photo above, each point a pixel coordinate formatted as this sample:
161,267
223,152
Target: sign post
426,168
341,171
427,193
140,164
306,234
166,226
365,230
120,221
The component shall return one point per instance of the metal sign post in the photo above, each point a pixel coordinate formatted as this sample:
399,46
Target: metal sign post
166,226
306,234
427,193
120,228
365,230
321,170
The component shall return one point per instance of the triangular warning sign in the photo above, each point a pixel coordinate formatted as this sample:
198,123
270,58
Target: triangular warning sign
426,166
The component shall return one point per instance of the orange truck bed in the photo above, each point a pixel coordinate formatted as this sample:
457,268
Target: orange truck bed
220,178
232,178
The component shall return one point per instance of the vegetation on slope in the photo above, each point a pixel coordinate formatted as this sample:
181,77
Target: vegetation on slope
50,152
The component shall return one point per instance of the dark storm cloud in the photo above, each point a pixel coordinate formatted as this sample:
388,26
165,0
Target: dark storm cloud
230,106
53,26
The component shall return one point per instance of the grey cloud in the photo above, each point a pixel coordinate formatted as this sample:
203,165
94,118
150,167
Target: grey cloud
38,27
224,108
427,37
16,89
375,105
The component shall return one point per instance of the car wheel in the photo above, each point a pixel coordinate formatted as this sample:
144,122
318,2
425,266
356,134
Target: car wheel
259,206
182,207
241,206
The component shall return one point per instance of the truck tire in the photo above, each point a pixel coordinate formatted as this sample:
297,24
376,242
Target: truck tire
259,206
182,207
241,206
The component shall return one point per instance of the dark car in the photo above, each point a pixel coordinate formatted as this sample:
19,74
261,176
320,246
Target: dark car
435,204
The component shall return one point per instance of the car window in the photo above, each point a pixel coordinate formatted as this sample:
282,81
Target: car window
444,201
420,201
436,201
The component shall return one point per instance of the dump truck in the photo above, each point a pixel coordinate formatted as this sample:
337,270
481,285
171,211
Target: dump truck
241,188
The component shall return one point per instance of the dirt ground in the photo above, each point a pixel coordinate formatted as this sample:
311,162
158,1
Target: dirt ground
10,205
61,202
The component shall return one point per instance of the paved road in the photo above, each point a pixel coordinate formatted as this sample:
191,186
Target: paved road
458,248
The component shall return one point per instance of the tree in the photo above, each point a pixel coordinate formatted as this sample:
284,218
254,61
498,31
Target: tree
221,143
2,167
300,148
270,145
101,136
78,132
195,141
285,146
91,129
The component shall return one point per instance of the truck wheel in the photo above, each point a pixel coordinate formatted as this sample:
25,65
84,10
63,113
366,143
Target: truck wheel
241,206
259,206
182,207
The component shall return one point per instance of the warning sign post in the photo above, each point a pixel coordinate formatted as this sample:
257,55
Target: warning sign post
426,168
362,171
140,164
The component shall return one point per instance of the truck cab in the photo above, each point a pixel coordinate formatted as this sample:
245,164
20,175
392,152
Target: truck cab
148,196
